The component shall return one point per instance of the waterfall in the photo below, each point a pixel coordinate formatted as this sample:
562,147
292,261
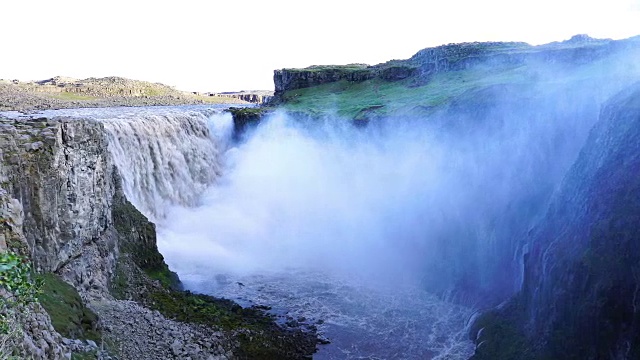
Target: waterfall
165,158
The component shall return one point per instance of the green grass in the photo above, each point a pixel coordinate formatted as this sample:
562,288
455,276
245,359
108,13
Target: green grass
167,278
378,97
319,68
84,355
72,96
68,314
219,100
153,91
418,96
264,341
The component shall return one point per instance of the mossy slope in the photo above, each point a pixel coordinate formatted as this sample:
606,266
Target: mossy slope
434,77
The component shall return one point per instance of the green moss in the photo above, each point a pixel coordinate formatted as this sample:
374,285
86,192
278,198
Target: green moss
68,314
166,277
354,99
207,310
92,355
245,117
141,244
119,284
71,96
323,68
499,334
257,334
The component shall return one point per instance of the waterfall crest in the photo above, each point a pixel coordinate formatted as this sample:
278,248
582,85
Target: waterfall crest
164,159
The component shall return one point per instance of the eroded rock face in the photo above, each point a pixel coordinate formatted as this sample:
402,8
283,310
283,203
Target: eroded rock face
291,79
581,292
61,174
11,217
59,203
31,334
582,277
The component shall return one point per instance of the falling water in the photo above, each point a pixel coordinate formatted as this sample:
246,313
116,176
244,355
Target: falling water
164,159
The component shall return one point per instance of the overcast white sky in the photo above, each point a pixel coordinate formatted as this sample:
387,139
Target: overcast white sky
233,45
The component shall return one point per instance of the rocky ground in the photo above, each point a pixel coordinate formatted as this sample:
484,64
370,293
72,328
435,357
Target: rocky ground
65,93
140,333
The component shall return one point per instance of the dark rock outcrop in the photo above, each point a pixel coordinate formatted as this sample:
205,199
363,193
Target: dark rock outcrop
246,118
581,290
291,79
254,97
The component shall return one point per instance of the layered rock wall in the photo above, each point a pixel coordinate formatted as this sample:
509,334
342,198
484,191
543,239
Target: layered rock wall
62,175
580,297
60,205
30,329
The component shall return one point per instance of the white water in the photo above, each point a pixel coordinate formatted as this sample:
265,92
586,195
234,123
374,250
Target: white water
320,224
164,154
170,159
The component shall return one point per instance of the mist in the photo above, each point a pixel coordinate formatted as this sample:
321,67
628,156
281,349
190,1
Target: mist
400,202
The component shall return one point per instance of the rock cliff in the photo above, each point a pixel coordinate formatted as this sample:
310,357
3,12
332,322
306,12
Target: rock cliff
254,97
62,175
31,332
579,297
291,79
61,189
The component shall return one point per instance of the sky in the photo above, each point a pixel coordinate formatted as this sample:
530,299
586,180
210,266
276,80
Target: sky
200,45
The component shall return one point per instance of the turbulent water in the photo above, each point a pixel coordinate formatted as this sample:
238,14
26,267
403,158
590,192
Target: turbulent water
316,223
362,320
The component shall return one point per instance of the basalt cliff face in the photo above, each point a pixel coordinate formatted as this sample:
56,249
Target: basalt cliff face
60,207
63,177
580,294
36,337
